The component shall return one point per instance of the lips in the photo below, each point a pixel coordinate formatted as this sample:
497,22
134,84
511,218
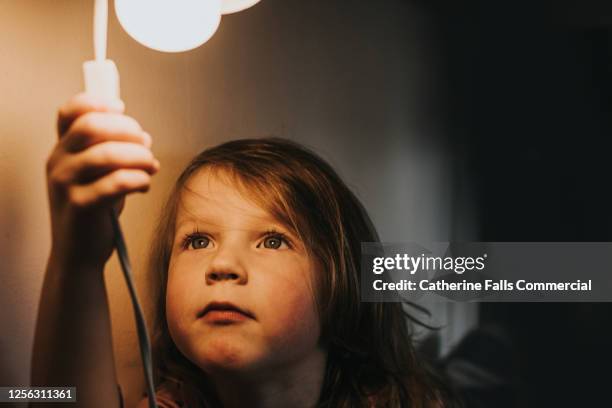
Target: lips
225,311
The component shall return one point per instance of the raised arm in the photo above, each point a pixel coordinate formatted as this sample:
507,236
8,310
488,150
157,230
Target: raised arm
101,156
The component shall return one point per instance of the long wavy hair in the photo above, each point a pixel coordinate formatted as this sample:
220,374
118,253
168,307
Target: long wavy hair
371,358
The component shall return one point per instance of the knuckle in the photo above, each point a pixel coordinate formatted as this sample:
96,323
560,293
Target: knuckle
147,140
50,164
122,154
59,176
87,122
65,110
103,153
83,129
54,159
62,112
122,180
132,124
144,179
55,178
146,153
77,199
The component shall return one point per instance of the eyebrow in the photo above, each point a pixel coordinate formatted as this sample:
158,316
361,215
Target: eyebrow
192,220
260,225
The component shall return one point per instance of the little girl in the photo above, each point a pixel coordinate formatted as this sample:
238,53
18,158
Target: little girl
256,257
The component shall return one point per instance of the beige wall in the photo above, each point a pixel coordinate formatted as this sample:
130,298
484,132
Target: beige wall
350,78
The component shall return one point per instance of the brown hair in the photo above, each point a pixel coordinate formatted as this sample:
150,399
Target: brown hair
371,357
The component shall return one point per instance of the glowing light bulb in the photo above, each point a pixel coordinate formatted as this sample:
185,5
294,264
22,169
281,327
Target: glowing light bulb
169,25
234,6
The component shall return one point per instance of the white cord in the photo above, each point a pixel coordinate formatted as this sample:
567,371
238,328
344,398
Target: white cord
100,29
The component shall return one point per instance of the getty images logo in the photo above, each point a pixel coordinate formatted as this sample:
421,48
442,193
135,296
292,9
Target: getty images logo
413,264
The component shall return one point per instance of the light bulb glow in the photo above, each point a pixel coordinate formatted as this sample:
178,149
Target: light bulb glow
169,25
234,6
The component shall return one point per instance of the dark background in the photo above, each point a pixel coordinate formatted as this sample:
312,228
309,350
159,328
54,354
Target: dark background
529,102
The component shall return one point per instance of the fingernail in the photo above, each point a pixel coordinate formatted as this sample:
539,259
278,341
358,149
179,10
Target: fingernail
156,164
148,140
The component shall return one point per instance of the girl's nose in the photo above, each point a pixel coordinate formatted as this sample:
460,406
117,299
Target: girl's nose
226,266
214,276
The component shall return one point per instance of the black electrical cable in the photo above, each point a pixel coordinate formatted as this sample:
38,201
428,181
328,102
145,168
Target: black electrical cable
143,337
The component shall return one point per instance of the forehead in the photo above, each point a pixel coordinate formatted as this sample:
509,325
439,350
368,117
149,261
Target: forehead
215,196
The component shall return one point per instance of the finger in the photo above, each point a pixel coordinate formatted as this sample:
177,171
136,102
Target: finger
96,127
102,159
81,104
107,190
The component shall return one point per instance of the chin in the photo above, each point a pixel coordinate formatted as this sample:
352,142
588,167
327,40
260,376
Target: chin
225,357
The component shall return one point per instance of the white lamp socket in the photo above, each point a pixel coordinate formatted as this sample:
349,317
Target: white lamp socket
102,79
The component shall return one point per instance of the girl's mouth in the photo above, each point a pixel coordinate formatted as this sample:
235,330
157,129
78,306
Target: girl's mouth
224,313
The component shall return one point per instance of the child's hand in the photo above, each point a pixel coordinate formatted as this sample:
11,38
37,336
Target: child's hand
101,156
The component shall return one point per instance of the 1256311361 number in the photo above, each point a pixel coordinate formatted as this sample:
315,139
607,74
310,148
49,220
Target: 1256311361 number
31,394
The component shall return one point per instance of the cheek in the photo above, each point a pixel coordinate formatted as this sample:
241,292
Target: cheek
290,316
185,283
181,305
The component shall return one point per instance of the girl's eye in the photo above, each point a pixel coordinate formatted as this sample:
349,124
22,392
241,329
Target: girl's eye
275,242
200,242
196,241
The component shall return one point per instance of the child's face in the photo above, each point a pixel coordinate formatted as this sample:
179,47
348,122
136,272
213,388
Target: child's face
234,258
